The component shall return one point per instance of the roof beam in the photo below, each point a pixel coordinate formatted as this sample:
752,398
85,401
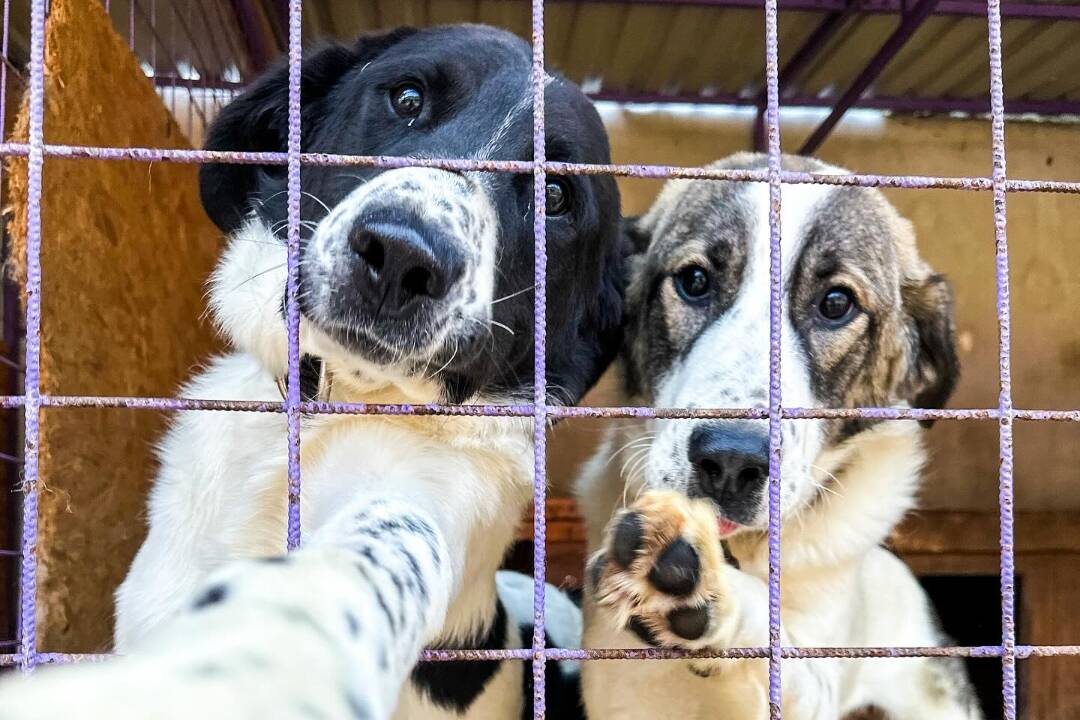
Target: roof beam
889,49
814,43
257,40
964,8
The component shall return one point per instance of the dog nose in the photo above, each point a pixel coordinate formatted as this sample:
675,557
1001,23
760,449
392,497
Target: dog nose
397,269
731,463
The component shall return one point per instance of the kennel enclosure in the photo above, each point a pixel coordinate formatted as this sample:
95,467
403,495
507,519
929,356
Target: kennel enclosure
818,60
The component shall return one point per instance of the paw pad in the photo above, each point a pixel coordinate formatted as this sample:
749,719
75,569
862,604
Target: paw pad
627,538
661,571
689,623
677,570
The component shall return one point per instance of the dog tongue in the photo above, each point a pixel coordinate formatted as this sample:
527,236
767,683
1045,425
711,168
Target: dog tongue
725,526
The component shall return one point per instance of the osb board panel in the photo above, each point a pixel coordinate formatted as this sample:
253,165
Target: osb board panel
126,248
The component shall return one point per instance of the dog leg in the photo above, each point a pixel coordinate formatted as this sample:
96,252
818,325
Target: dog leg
923,689
331,631
662,574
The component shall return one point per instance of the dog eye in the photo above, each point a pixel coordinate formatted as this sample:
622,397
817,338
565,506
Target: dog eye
837,305
557,196
407,100
692,283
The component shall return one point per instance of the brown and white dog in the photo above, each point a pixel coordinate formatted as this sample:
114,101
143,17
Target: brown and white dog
678,530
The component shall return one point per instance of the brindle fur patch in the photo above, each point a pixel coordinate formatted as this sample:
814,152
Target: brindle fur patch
707,223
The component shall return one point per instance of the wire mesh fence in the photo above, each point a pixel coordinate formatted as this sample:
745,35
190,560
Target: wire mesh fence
201,92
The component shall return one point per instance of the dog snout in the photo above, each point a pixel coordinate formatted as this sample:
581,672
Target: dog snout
731,465
401,267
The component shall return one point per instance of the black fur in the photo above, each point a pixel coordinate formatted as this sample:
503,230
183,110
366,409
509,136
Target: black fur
639,628
473,76
454,685
562,690
211,596
391,621
594,571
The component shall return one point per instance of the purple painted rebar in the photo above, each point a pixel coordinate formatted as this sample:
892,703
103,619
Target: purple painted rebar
776,290
914,182
520,411
32,408
539,78
292,306
1005,404
660,654
4,79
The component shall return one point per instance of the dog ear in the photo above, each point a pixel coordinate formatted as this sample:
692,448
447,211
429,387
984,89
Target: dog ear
934,368
258,121
635,238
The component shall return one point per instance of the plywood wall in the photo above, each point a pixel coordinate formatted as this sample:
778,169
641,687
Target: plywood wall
956,234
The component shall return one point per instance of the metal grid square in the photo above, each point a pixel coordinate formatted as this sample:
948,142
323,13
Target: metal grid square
32,400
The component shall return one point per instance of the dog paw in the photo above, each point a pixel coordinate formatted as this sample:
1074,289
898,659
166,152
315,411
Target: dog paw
662,571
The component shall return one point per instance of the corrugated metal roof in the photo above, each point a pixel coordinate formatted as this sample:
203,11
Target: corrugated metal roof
646,49
690,50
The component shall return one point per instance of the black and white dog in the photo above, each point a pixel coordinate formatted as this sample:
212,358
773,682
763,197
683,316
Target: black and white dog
684,561
415,286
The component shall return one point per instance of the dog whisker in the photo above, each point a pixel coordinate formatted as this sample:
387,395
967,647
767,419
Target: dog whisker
514,294
633,444
635,464
447,363
325,206
500,325
260,274
829,475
